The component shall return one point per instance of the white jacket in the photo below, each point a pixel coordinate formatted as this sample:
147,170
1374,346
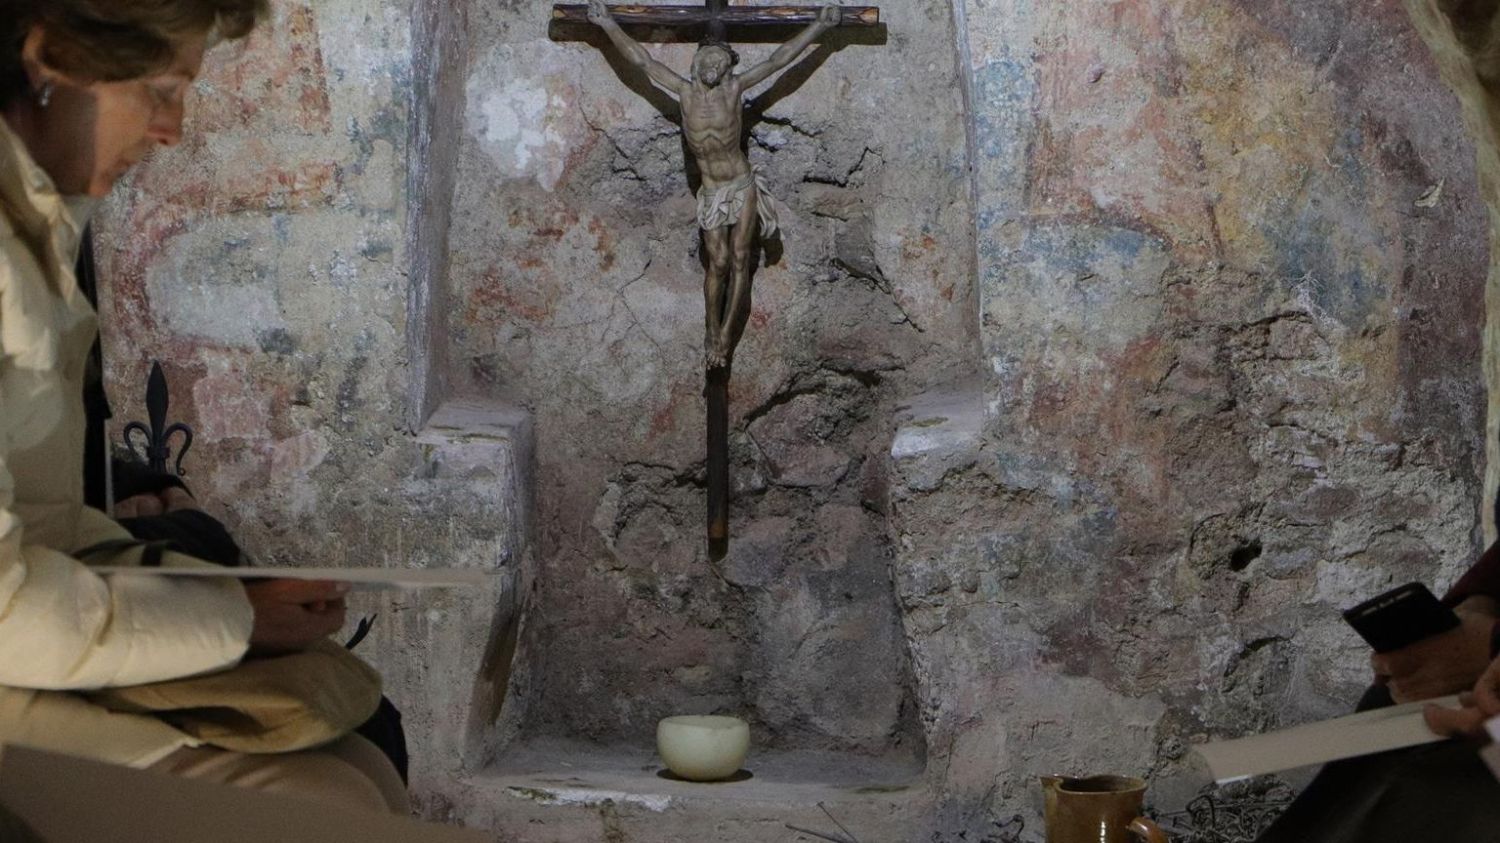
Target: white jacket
64,628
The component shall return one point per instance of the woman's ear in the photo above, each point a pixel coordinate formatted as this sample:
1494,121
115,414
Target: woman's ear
33,60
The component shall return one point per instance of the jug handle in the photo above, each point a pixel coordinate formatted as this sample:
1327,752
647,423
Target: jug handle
1148,831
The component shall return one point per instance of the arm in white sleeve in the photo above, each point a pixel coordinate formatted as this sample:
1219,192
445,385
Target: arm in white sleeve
63,627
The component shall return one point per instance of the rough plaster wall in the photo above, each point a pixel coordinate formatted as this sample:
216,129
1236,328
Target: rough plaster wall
1234,383
262,260
578,292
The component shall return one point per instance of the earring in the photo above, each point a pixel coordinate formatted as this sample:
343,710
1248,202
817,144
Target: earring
44,96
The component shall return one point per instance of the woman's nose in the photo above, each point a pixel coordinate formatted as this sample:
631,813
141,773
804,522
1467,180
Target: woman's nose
166,124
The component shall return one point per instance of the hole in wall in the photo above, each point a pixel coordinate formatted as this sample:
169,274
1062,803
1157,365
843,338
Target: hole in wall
1241,557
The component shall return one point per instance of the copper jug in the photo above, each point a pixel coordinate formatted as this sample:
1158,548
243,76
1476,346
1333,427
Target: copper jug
1097,809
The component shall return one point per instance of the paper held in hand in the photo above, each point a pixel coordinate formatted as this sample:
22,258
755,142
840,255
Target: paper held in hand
360,579
1318,743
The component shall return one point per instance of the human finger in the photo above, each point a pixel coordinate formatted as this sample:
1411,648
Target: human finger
1401,662
138,506
282,627
338,605
1400,692
175,499
329,620
1449,722
297,591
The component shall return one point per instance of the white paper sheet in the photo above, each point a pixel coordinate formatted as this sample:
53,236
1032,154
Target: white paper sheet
360,579
1318,743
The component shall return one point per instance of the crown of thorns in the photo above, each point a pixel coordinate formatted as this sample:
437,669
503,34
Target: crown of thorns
734,57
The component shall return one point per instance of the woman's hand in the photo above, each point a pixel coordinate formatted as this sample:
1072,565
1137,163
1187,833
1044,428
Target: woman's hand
1443,664
171,499
1477,707
290,615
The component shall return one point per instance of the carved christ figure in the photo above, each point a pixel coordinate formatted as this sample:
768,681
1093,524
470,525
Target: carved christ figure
733,203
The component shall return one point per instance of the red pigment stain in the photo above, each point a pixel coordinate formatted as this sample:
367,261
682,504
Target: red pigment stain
278,78
602,244
665,420
493,297
557,224
921,248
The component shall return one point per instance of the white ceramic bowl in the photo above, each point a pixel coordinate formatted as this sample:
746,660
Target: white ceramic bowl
703,748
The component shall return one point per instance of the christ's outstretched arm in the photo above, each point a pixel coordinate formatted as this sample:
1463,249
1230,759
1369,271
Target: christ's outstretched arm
828,17
634,53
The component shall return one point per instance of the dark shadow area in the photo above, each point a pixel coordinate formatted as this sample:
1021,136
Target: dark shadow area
497,665
789,81
637,81
1471,19
741,776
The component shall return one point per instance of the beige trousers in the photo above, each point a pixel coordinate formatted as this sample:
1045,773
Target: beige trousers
349,772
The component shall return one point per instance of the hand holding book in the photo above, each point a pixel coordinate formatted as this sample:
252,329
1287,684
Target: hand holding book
1475,707
1442,664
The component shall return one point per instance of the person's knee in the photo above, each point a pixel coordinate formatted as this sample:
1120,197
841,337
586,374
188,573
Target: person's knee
328,779
330,776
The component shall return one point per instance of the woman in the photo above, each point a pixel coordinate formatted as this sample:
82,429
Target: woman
88,88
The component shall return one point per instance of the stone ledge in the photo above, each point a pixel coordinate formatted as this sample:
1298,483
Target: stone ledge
938,433
476,421
555,789
446,655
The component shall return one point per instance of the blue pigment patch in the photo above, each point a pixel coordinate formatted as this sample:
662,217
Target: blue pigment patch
1004,98
1326,234
1321,246
1079,250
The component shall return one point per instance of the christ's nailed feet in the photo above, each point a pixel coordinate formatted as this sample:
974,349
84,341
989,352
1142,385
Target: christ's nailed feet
716,354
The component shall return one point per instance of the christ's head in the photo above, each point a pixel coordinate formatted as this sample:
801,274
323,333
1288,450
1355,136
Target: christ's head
712,63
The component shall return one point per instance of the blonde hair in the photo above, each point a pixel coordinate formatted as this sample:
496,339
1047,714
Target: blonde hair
111,40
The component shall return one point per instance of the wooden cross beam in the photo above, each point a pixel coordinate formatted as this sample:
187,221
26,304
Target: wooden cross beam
716,17
715,14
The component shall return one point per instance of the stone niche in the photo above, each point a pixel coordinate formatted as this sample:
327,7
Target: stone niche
1109,349
574,289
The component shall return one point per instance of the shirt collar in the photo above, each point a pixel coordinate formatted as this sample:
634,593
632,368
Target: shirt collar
28,190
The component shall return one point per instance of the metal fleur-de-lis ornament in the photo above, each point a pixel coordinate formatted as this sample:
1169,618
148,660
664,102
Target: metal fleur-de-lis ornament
158,448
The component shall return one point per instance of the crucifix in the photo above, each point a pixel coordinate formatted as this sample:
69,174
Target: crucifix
735,208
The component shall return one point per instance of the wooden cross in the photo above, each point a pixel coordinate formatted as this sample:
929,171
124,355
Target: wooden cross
715,18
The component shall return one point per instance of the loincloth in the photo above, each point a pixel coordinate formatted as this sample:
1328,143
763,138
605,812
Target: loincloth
722,207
